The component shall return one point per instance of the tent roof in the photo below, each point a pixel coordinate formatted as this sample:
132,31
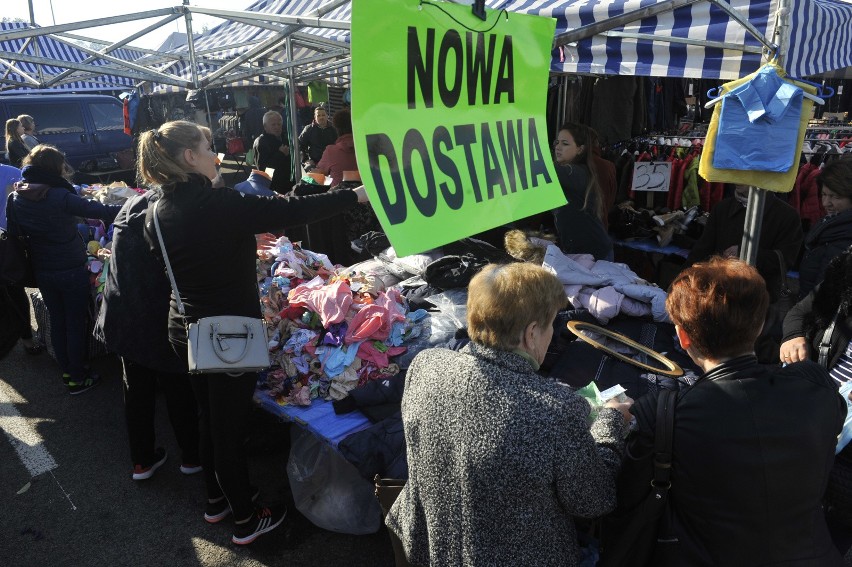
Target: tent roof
713,39
41,62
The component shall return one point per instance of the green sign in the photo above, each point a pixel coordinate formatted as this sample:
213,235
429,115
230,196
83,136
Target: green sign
448,117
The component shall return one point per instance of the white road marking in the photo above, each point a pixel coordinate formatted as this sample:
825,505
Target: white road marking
22,434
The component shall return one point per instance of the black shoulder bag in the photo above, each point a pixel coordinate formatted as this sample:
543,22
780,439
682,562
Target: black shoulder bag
629,536
16,266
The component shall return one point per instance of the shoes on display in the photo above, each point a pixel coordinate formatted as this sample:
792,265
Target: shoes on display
90,381
141,472
218,509
190,469
264,520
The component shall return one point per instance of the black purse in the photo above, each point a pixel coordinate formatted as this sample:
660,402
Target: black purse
630,535
16,267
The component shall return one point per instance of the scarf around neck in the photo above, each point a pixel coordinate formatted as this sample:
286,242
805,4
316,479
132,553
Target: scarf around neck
35,174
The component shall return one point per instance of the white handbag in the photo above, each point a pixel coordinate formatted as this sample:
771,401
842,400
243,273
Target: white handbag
228,344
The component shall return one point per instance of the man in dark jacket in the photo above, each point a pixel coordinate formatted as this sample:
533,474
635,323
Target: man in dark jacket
315,137
272,151
780,229
753,445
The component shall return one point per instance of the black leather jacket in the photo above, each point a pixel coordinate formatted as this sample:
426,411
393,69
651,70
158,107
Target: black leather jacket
134,315
753,447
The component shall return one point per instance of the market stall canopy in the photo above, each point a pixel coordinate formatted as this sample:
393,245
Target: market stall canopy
257,37
694,38
712,39
52,62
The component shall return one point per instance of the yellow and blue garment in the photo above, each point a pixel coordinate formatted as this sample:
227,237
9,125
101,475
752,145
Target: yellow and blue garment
758,125
781,182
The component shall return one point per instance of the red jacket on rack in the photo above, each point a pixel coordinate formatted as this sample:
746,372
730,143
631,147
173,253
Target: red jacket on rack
811,207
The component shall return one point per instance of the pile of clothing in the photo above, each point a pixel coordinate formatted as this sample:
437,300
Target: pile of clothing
331,329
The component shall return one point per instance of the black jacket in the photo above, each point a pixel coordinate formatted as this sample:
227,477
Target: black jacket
268,154
580,230
17,151
753,448
826,239
209,237
134,315
48,214
780,230
794,326
313,141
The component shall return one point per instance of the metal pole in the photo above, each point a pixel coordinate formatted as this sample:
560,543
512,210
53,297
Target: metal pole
190,42
37,48
295,155
751,227
209,119
757,196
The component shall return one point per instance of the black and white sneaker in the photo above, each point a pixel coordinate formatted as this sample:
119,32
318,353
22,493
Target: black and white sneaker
264,520
219,509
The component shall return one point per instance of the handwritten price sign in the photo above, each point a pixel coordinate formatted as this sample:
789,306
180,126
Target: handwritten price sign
652,176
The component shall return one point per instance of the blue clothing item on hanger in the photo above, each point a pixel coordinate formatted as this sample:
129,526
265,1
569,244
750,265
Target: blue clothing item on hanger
759,125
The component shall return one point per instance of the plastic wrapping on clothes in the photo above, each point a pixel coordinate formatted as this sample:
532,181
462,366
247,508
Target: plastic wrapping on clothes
438,327
328,490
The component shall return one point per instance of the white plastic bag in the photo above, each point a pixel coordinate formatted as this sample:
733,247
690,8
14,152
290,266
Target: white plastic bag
328,490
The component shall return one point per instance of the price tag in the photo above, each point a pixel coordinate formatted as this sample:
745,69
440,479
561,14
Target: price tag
652,176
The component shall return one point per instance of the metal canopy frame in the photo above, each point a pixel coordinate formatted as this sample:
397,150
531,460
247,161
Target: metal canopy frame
264,57
257,57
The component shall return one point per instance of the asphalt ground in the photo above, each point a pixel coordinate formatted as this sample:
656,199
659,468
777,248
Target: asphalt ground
67,497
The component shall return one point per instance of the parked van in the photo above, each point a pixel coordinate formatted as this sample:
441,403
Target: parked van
86,127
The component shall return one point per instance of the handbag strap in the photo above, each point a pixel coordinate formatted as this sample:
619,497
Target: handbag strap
166,258
666,400
825,343
783,265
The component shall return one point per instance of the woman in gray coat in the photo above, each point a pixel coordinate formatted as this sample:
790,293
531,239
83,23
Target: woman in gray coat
501,458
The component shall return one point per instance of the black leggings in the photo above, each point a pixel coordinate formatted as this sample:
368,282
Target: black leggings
225,404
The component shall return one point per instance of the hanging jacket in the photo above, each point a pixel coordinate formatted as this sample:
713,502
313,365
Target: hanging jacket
811,205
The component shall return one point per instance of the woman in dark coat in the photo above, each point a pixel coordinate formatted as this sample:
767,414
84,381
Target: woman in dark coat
809,335
133,323
45,209
209,237
16,149
752,445
833,233
579,223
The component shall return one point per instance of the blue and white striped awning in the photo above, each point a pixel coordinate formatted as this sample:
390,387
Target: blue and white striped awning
17,73
705,41
821,37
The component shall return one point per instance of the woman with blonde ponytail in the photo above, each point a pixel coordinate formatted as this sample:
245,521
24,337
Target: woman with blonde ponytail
209,238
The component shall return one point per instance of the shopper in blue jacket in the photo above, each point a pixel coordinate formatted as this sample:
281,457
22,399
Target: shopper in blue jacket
45,208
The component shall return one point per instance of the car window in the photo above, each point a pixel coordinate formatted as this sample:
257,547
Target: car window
107,116
53,118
